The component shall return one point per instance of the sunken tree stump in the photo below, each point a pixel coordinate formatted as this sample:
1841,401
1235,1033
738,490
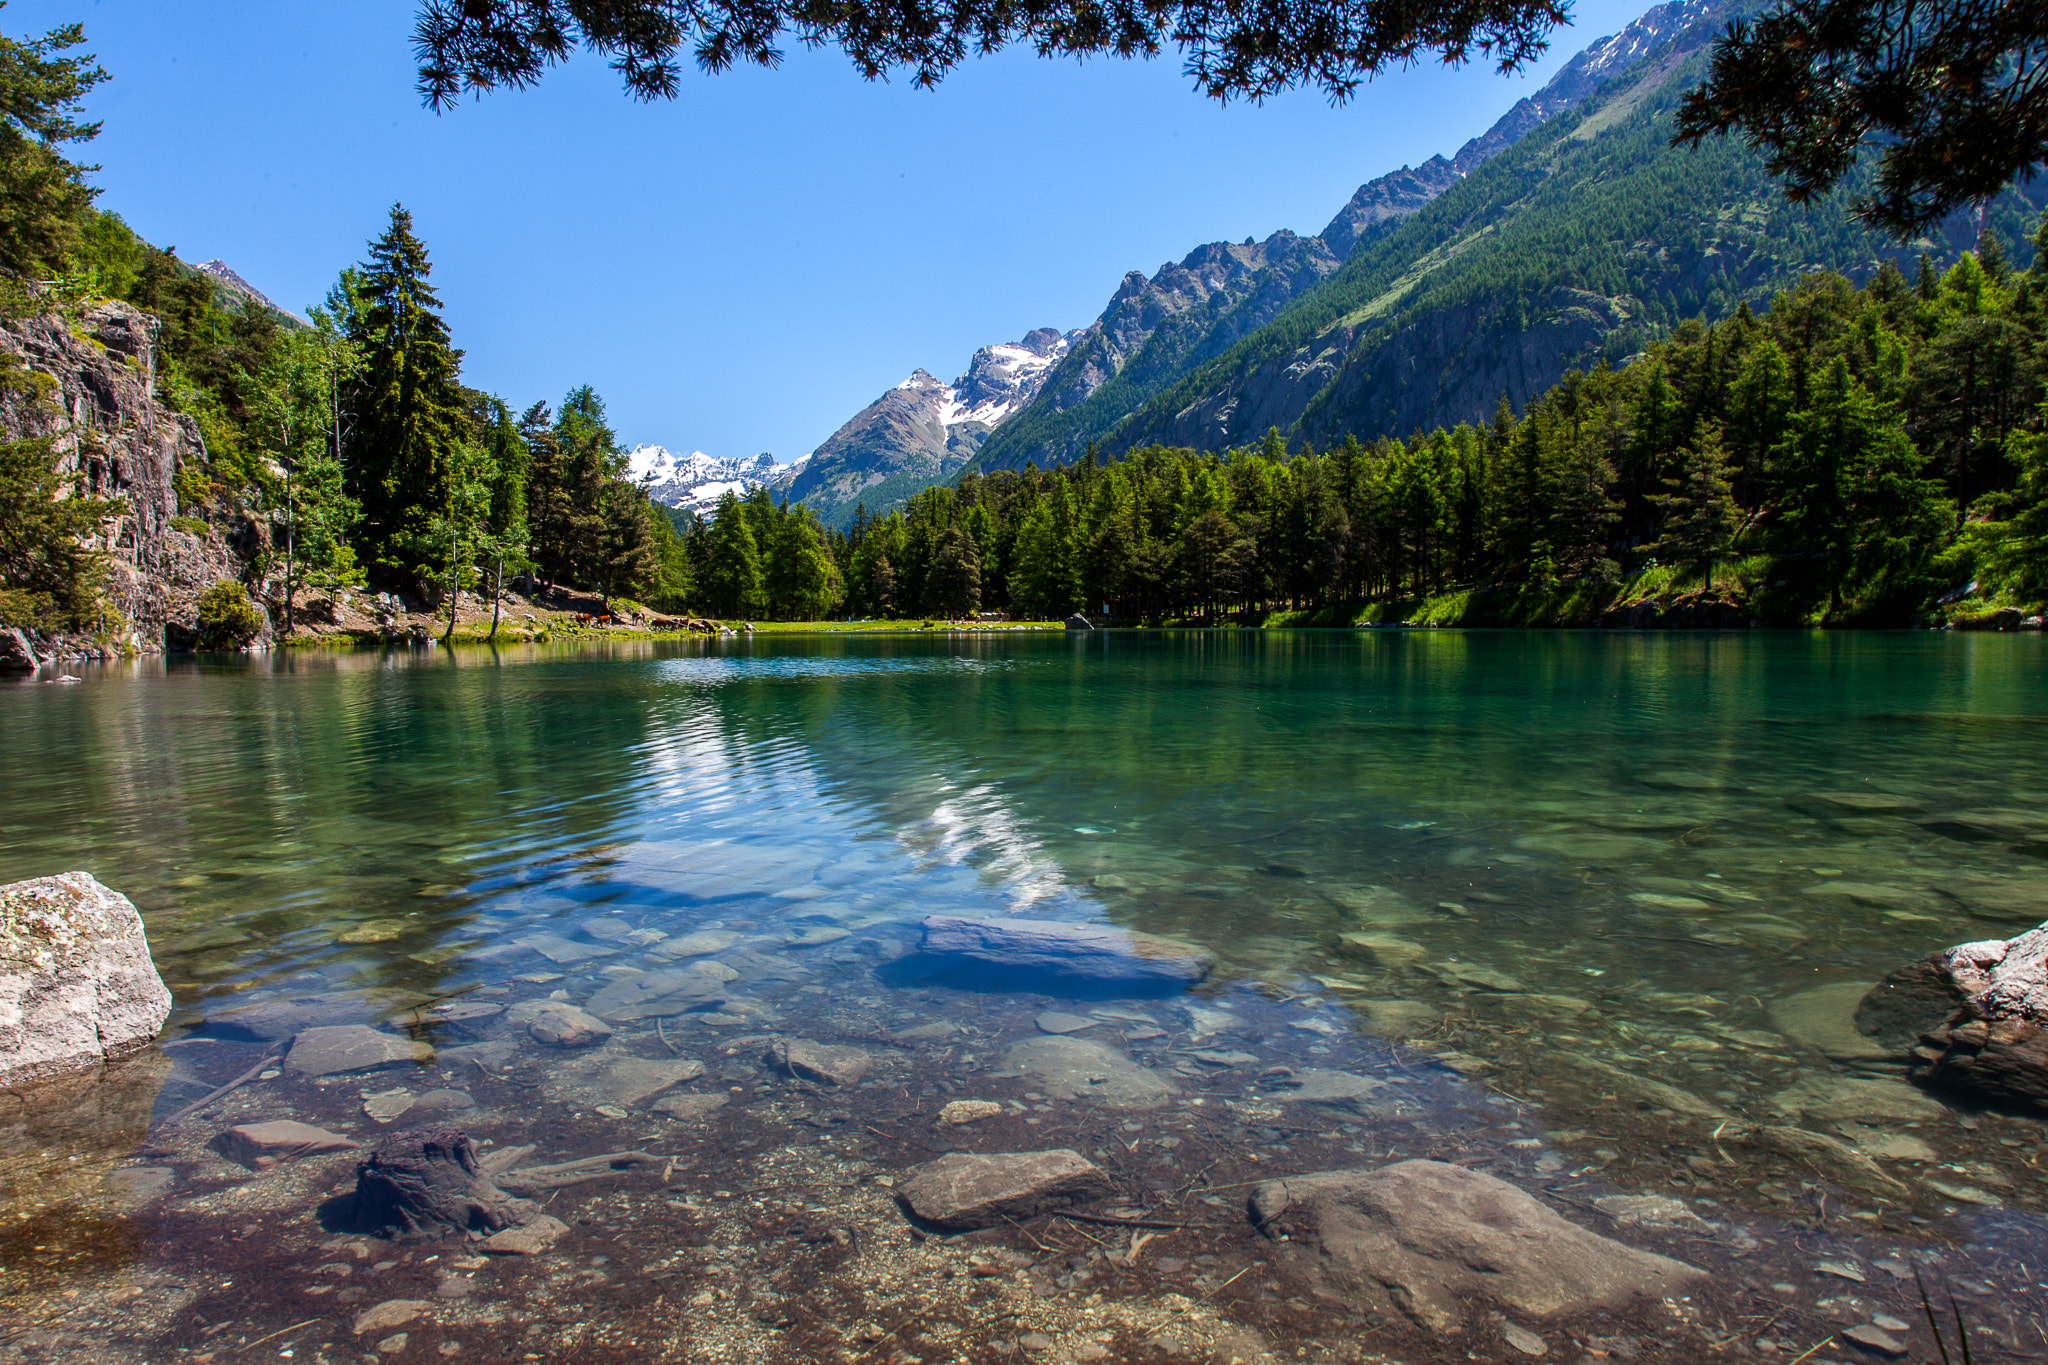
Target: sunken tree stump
426,1182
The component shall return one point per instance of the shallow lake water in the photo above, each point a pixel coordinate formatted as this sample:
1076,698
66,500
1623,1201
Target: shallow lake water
1592,911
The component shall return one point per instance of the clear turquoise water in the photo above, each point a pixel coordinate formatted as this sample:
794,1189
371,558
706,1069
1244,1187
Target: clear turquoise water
1237,789
1657,854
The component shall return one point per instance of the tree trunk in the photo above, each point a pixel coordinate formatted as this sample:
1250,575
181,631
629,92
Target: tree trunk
497,594
291,525
454,588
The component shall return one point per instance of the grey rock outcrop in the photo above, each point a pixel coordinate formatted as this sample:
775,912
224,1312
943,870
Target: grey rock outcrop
960,1192
77,985
1432,1241
18,653
107,426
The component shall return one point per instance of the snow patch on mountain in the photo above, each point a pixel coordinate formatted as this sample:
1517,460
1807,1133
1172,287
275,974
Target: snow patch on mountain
696,481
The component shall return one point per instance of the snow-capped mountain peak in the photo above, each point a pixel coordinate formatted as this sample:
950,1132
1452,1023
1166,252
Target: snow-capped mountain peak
697,481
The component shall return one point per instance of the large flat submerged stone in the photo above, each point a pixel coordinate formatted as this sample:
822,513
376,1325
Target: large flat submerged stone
1056,956
77,985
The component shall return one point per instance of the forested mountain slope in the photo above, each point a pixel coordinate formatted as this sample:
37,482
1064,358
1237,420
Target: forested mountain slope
1587,239
1154,333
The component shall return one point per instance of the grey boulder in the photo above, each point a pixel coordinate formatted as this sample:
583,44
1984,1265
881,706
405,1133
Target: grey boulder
77,985
1431,1240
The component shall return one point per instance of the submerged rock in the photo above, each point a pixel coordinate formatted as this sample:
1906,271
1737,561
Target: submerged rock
351,1047
1080,1068
425,1182
960,1192
1055,954
819,1063
1430,1240
1824,1019
675,990
1339,1090
958,1112
77,985
557,1023
260,1146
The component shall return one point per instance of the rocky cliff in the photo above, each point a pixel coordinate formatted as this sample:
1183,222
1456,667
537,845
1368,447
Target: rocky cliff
102,409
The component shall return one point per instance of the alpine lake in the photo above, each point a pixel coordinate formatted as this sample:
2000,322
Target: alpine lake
1587,912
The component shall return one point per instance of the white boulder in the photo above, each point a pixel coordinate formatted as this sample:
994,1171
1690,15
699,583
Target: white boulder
77,984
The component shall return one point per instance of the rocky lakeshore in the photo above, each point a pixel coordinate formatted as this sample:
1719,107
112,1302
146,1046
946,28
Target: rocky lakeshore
792,1136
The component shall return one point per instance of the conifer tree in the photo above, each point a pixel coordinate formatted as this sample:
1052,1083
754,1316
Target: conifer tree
802,582
732,568
409,414
1699,514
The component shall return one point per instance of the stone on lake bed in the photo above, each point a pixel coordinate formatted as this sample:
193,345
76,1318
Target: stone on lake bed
958,1112
1876,1339
618,1081
374,931
690,1108
819,1062
701,943
1479,977
1652,1211
1340,1090
1057,1021
960,1192
1824,1018
391,1313
1381,949
529,1239
673,990
77,984
258,1145
1658,900
1057,952
1854,1099
1897,1147
1081,1068
1395,1018
1411,1238
1827,1154
340,1048
562,951
815,936
557,1023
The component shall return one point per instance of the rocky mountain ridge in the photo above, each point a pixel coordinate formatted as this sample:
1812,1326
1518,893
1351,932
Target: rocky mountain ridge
924,430
1156,330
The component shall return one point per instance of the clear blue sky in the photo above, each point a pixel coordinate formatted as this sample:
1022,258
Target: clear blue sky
745,268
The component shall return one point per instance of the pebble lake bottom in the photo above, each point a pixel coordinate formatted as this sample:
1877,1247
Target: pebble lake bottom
1579,920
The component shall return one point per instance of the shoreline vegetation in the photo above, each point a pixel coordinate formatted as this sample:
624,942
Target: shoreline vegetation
1836,454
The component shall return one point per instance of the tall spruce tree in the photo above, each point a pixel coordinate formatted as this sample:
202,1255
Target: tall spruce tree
409,415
